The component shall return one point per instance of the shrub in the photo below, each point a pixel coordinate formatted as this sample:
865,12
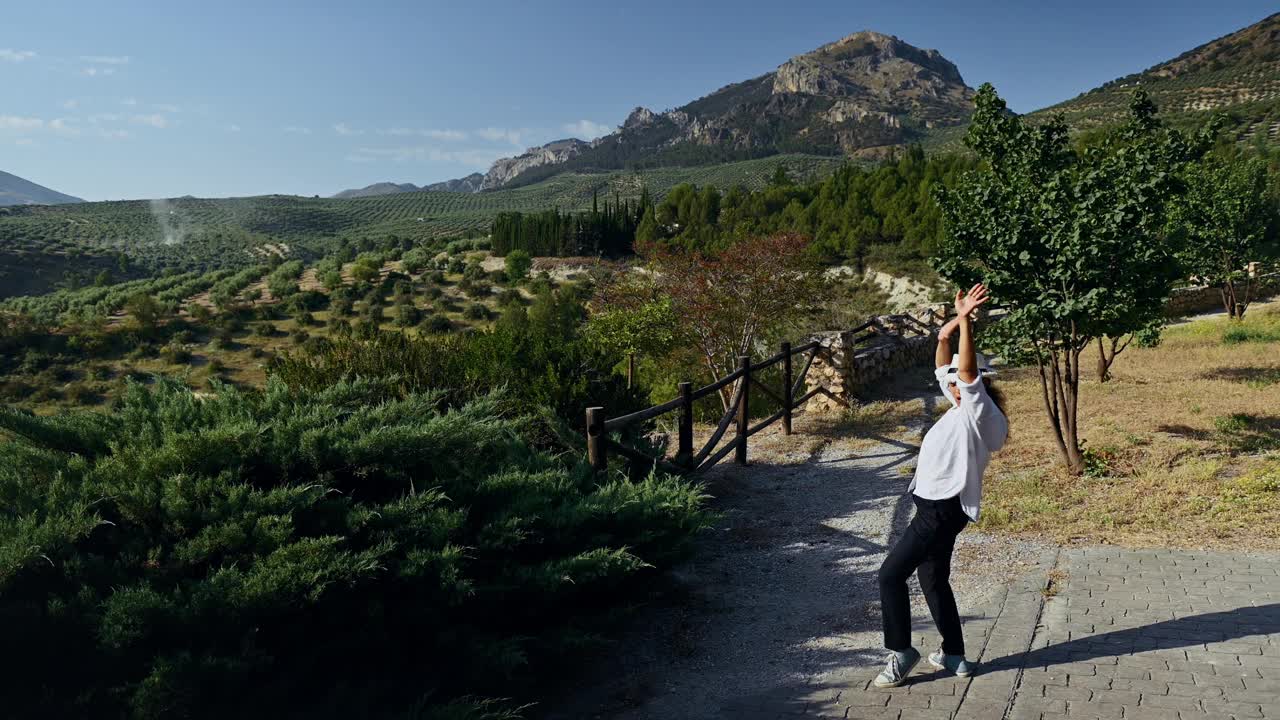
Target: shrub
407,315
477,289
306,553
265,330
518,264
299,336
175,354
476,311
436,324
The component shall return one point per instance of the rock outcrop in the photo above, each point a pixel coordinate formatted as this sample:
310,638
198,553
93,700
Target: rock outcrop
860,96
553,153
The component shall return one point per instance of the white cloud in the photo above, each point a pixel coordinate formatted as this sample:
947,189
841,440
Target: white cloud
71,104
233,128
99,118
346,130
295,130
15,55
63,126
129,101
492,134
98,71
113,134
24,142
155,120
106,59
166,108
471,158
586,130
450,135
16,122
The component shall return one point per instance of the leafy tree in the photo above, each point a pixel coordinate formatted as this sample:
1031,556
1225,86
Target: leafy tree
1226,220
518,264
145,311
1072,245
729,301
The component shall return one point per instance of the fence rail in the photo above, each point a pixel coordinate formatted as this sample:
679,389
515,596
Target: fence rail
737,413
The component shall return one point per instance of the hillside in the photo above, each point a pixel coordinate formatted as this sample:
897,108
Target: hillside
17,191
470,183
202,234
1238,73
860,96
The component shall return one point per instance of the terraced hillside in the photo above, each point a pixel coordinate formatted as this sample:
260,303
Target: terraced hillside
1238,73
203,234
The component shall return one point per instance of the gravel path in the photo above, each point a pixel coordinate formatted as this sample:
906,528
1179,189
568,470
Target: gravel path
783,593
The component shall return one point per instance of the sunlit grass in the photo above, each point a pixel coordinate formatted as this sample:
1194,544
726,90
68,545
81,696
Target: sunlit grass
1183,446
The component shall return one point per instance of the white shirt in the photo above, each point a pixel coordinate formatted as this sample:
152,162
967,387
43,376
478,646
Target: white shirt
956,449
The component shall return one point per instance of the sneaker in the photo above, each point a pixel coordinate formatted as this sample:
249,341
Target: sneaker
955,663
897,669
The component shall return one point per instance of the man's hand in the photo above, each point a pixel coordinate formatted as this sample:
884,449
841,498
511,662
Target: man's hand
967,303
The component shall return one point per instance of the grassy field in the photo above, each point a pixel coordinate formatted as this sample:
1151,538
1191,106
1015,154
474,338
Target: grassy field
1184,446
202,234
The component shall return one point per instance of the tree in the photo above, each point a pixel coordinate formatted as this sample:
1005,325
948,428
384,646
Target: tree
730,300
518,264
1071,244
1223,224
145,311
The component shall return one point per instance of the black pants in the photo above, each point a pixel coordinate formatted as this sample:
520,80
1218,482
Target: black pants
925,548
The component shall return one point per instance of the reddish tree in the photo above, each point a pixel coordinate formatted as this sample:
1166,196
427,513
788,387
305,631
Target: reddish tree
728,301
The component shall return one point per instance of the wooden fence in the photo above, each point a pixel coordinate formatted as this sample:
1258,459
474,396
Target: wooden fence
600,445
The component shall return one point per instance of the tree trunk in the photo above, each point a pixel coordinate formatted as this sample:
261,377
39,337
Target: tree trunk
1229,300
1060,382
1104,365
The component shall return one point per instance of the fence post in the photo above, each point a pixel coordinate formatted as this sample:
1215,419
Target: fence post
684,455
595,439
740,453
786,388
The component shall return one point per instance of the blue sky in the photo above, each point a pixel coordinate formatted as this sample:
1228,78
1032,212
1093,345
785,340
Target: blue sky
149,99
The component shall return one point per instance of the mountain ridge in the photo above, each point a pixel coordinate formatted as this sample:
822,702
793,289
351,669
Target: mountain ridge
20,191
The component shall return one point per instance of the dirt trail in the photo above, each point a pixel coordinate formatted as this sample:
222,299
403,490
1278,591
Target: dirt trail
783,592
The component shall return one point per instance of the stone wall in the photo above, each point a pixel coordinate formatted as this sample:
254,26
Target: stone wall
1193,300
843,365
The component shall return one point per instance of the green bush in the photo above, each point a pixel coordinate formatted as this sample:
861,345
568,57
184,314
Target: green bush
331,553
476,311
435,324
538,353
407,315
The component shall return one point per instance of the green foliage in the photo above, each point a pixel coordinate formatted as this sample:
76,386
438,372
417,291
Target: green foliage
518,263
333,553
1070,244
648,327
283,281
539,354
1226,220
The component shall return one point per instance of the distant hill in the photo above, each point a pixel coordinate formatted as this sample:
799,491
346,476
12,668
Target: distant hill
861,96
382,188
1238,74
17,191
470,183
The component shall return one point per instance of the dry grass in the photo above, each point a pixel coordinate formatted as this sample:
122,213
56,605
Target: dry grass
1184,446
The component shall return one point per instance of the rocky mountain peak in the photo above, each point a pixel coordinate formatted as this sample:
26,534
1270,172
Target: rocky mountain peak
869,62
639,117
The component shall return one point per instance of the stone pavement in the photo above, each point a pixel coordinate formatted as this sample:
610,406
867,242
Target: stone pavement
1116,633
